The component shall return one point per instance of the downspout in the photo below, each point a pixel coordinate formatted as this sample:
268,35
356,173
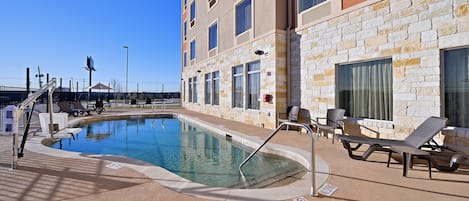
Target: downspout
288,50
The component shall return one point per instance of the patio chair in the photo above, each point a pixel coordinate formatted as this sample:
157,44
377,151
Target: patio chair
79,106
423,134
334,120
292,115
65,107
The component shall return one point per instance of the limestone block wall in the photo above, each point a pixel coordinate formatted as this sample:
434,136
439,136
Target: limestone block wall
411,32
272,75
457,138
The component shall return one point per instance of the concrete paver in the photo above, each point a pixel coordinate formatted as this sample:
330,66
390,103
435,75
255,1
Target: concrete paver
44,177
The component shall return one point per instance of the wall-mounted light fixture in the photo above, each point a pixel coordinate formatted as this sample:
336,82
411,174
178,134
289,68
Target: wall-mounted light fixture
261,52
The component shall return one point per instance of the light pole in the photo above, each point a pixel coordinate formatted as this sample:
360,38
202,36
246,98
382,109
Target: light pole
126,73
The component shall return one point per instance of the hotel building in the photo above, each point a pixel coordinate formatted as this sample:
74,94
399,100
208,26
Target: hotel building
389,63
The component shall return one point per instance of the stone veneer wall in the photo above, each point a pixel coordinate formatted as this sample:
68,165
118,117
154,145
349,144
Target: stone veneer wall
273,80
411,32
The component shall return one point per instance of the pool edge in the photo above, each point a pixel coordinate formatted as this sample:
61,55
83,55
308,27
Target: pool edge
182,185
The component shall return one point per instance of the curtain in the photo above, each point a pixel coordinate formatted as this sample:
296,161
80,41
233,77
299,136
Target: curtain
190,90
456,89
254,89
216,87
194,80
365,89
208,90
238,91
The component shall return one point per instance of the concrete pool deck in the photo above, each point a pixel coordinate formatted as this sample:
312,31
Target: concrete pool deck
44,177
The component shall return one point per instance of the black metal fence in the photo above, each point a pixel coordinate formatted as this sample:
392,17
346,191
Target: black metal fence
3,103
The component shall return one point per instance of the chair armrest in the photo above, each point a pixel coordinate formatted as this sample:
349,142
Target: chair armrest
281,115
318,118
371,130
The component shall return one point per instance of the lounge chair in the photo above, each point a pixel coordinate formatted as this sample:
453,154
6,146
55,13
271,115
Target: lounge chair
77,105
334,120
292,115
65,107
424,133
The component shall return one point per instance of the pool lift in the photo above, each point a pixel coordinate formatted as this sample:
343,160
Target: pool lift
309,131
19,109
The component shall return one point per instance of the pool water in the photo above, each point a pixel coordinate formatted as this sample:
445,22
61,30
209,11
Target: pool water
184,149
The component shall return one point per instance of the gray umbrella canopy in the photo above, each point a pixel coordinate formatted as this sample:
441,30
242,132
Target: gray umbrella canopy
100,86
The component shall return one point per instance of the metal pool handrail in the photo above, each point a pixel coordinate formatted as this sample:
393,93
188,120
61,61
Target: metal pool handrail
313,157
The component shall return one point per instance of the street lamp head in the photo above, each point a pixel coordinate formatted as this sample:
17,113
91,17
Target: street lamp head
125,46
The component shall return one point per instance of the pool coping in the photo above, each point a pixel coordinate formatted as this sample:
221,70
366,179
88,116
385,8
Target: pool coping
181,185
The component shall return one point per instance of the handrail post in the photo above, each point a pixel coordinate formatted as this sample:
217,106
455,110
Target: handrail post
313,155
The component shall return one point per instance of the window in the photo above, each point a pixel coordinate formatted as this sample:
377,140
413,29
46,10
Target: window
194,82
193,11
305,4
456,87
183,91
185,59
211,3
254,82
212,36
185,30
192,49
208,88
216,88
238,86
243,16
365,89
190,90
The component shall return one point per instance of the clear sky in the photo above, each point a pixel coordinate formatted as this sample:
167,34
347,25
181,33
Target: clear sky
58,35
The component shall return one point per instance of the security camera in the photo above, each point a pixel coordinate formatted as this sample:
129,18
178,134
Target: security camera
259,52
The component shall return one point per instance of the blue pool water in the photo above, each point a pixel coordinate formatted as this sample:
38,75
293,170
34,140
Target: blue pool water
182,148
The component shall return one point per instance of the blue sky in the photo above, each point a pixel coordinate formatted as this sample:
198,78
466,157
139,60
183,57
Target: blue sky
58,35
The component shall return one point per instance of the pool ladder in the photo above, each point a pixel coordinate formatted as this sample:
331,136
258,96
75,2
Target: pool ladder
313,157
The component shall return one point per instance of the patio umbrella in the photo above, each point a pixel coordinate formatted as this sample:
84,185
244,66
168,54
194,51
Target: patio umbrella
100,86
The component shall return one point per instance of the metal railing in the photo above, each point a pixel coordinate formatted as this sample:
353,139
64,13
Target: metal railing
313,155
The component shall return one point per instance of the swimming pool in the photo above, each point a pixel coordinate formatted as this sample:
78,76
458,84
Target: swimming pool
183,148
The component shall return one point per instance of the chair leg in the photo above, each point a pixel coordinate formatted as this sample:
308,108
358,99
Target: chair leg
389,158
333,136
429,167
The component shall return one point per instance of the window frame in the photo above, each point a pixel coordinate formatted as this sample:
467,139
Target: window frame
189,83
235,75
193,50
389,109
195,91
212,5
245,28
248,86
444,85
216,80
193,13
210,34
185,30
302,8
208,89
